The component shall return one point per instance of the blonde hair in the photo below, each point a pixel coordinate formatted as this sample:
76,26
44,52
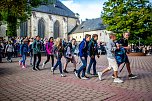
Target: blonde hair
57,42
111,35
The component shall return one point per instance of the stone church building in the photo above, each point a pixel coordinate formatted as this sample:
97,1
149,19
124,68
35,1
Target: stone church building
49,21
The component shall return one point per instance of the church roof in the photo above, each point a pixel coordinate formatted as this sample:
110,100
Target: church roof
57,8
90,25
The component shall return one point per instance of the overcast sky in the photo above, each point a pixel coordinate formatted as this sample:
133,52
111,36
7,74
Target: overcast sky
86,8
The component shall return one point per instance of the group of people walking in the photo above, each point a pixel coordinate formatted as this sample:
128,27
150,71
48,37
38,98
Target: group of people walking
88,47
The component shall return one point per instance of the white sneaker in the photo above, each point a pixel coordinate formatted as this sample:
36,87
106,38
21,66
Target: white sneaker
52,69
76,74
84,78
43,66
62,75
23,67
20,63
117,80
100,75
114,77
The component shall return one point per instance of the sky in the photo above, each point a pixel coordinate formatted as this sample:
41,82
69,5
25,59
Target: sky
86,8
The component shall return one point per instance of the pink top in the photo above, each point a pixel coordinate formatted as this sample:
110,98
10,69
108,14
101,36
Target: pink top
49,48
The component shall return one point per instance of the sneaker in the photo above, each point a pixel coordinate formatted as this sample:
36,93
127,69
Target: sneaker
84,78
65,71
38,68
62,75
52,69
23,67
100,75
95,75
34,69
74,70
43,65
76,74
114,77
31,64
20,63
117,80
131,76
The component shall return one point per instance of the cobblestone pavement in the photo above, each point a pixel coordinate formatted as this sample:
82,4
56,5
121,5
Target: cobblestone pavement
17,84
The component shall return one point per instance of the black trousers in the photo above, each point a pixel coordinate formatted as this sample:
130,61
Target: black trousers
9,55
48,59
35,59
0,57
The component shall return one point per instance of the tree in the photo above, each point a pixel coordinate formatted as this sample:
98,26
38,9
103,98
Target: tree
16,11
128,15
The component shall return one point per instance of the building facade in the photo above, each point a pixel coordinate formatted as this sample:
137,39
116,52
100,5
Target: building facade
91,26
49,21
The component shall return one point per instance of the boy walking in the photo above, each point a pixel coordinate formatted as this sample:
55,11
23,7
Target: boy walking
111,47
93,51
37,53
83,48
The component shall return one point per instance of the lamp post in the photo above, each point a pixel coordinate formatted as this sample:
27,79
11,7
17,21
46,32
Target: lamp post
139,41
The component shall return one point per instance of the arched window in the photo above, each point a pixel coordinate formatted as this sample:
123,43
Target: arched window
24,29
56,29
41,28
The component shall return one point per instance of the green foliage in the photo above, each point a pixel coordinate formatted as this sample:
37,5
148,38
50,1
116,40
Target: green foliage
128,15
16,11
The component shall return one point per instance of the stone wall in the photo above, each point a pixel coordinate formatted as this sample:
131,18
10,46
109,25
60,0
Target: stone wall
66,24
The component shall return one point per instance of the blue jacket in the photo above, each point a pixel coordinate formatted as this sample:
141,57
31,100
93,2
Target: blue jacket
23,49
83,48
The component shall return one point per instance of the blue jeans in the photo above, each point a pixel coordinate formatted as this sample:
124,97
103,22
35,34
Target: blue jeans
92,61
58,64
83,67
23,59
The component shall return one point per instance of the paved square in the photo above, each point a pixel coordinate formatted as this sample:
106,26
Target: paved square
17,84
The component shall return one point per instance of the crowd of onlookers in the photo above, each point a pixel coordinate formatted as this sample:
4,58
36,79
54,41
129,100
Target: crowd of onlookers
144,49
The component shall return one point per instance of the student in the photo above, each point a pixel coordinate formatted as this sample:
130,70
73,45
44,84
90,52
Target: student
31,51
58,52
1,50
23,52
37,53
83,47
49,51
124,43
9,50
69,56
110,48
93,51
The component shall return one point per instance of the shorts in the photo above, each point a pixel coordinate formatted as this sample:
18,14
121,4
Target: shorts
72,60
126,59
112,64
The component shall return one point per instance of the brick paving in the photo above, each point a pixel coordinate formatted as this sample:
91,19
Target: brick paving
18,84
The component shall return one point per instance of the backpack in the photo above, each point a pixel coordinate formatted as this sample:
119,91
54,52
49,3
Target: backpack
120,55
66,47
